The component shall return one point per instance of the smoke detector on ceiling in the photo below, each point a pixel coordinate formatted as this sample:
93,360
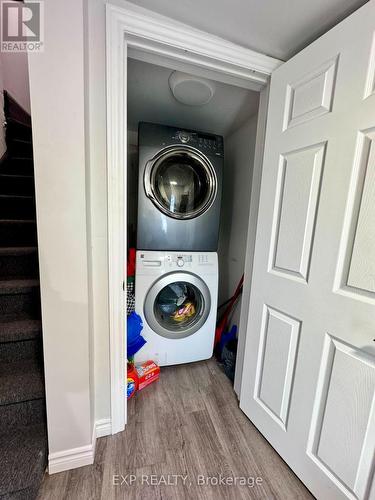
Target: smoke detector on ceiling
191,90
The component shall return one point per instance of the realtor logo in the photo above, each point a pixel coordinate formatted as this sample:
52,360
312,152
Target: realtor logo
22,28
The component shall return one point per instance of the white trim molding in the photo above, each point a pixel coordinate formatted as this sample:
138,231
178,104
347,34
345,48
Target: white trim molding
103,427
154,34
73,458
142,31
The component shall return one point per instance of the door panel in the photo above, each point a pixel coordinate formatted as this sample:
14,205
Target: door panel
308,379
361,268
345,387
298,187
276,362
311,96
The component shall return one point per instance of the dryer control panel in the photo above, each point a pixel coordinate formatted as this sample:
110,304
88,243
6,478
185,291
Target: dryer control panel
207,143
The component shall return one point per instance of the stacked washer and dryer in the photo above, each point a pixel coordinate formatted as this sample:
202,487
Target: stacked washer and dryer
179,198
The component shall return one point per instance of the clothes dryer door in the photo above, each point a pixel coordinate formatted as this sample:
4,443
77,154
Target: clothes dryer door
177,305
181,182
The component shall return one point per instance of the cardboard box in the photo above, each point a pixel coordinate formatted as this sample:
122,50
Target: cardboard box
148,372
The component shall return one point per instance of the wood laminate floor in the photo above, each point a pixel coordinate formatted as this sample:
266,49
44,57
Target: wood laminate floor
181,430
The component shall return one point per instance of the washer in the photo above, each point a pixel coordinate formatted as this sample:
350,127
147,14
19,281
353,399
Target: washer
176,296
179,189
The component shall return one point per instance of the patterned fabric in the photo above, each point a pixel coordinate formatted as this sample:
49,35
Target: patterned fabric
130,301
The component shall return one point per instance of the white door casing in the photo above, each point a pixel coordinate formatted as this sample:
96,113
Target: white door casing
309,366
145,35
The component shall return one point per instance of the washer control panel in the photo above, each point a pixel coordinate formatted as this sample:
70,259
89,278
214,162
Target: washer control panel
179,260
156,262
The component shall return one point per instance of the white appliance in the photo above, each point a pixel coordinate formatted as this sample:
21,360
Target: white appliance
176,296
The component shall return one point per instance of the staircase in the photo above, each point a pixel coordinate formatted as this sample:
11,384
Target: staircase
23,442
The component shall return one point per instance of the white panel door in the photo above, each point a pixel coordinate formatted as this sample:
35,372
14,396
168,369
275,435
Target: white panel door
309,371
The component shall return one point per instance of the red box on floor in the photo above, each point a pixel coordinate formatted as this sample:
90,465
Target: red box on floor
148,372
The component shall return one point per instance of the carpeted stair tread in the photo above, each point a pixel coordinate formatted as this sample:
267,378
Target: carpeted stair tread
19,330
13,286
17,166
17,206
23,439
18,415
19,262
16,184
5,251
17,232
18,197
20,147
23,455
21,381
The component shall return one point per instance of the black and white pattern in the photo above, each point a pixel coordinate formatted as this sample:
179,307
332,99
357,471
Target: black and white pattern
130,301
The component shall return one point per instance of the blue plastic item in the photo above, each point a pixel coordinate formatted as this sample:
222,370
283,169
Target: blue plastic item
225,338
135,339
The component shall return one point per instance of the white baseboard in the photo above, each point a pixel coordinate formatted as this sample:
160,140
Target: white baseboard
103,427
81,456
73,458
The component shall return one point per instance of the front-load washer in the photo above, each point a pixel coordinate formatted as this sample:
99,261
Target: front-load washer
179,189
176,297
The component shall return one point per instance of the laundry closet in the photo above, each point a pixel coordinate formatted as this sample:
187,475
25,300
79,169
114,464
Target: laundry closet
170,112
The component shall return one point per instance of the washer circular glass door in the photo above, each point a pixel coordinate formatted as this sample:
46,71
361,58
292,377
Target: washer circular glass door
181,182
177,305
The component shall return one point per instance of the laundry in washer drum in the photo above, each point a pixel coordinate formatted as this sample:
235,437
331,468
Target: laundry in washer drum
175,301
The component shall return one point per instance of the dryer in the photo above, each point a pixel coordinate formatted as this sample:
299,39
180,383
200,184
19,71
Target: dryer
179,189
176,297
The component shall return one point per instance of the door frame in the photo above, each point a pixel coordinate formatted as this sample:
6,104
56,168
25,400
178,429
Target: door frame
145,35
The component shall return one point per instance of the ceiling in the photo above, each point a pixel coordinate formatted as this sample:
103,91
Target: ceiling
150,99
279,28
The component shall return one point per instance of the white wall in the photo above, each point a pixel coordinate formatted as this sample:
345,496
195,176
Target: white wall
98,206
58,119
16,77
238,169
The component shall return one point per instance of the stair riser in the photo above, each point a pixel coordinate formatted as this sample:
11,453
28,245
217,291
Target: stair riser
20,149
17,234
21,303
18,167
15,351
16,131
20,414
19,266
23,186
17,208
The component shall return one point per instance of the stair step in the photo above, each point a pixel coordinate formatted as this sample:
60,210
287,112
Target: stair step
20,414
17,207
18,166
17,184
20,381
20,147
19,262
17,130
17,351
27,413
17,233
20,297
18,286
14,330
23,455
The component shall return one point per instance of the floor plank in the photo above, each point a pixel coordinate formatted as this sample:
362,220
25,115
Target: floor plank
184,427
